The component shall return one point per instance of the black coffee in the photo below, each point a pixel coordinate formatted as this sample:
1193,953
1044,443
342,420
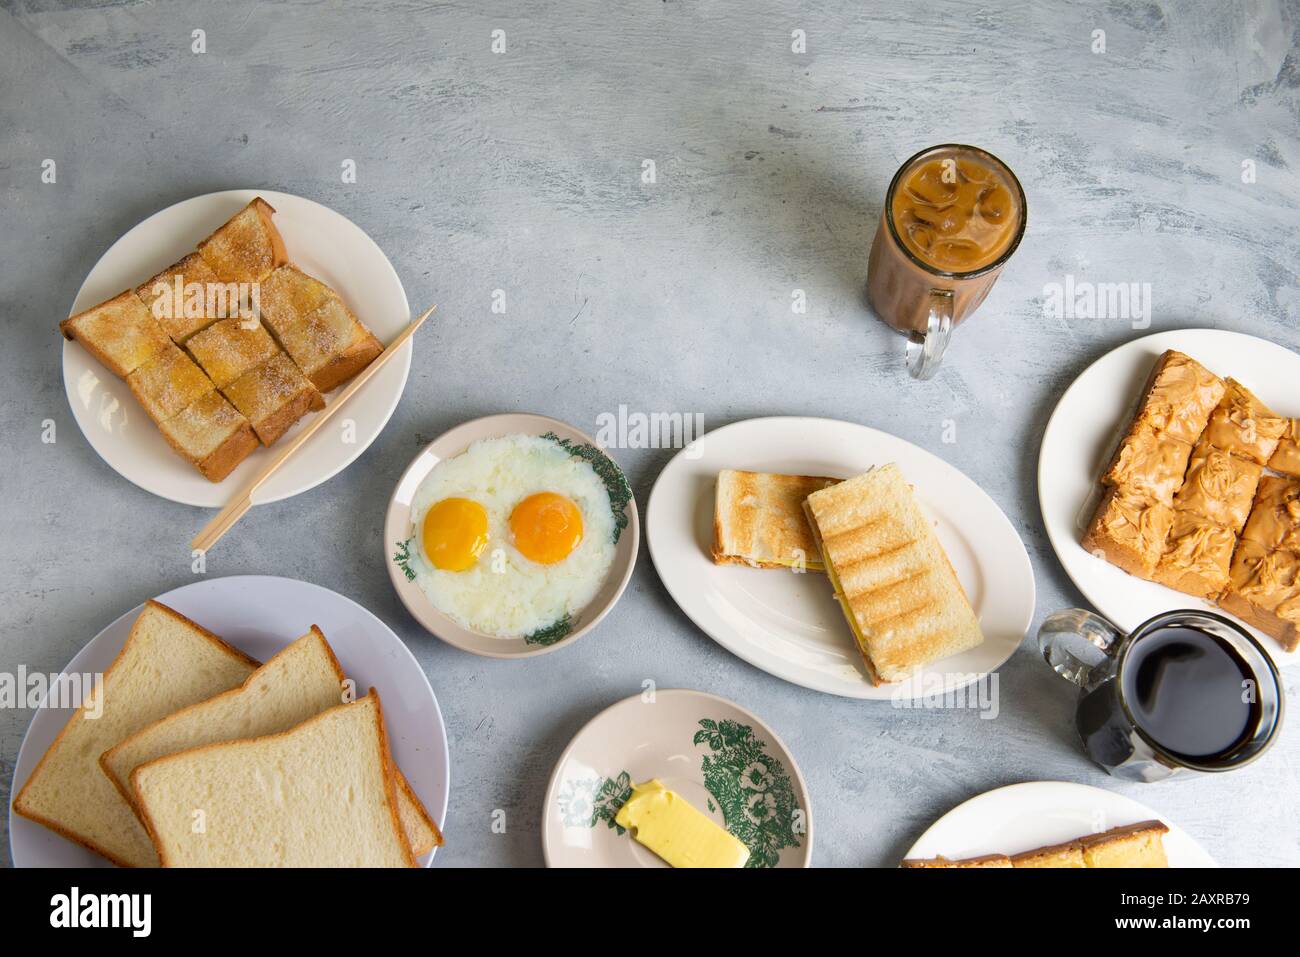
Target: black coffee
1190,691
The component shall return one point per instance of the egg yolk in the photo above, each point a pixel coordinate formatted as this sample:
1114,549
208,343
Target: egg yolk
547,527
455,533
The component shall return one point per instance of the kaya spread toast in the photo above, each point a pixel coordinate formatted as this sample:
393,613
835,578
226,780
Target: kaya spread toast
758,520
300,682
236,317
1220,530
321,794
891,576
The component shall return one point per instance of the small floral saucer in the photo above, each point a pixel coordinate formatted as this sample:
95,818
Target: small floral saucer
711,751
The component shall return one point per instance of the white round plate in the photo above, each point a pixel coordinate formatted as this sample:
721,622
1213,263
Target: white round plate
789,624
260,614
718,756
1021,817
1083,431
399,529
325,244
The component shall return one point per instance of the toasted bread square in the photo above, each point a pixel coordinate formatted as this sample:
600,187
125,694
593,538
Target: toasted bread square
211,435
1264,590
1150,462
187,296
1286,457
1219,487
1275,517
898,590
247,247
986,860
1134,845
1244,426
273,396
1179,397
758,520
1197,556
1069,854
229,348
121,333
288,296
1129,530
330,345
168,383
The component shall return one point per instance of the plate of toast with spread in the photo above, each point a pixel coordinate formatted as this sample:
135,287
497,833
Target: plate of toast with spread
249,721
1054,824
840,558
216,327
1169,477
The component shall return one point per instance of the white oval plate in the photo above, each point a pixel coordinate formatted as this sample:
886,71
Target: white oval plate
321,241
398,528
757,793
1083,430
260,614
790,625
1021,817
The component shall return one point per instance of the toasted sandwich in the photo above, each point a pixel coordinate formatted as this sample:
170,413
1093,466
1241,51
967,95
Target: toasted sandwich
891,576
758,520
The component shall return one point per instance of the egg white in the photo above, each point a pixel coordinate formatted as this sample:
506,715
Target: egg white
505,594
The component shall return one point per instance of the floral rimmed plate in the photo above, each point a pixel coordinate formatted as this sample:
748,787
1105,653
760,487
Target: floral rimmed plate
400,537
711,751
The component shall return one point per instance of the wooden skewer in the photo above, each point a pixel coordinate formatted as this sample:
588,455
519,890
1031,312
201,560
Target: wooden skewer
224,520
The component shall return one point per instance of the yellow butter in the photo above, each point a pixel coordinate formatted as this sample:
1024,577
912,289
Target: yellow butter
667,824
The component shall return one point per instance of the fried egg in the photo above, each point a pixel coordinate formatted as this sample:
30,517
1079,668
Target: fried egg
512,537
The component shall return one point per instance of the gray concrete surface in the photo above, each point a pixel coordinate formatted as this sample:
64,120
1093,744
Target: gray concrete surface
522,171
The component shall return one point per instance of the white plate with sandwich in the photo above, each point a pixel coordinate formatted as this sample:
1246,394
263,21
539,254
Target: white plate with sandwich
1055,824
215,327
225,718
511,536
676,778
929,586
1085,428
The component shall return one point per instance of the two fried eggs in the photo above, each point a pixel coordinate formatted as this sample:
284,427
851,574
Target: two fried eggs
512,537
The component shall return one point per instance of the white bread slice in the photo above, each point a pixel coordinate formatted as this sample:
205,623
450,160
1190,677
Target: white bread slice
319,795
168,662
120,332
168,383
211,435
298,683
330,345
202,301
227,349
758,520
273,395
891,576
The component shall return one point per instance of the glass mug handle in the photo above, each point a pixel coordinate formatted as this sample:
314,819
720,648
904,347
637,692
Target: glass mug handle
925,350
1079,646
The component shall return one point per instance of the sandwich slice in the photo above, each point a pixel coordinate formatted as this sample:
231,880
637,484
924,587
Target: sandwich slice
121,333
893,580
300,682
167,663
247,247
1197,556
1148,462
1129,530
1179,397
211,435
758,520
321,794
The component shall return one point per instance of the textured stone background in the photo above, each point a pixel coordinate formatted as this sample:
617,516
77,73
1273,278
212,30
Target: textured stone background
521,171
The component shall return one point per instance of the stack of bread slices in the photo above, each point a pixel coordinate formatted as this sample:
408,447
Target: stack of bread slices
229,347
195,755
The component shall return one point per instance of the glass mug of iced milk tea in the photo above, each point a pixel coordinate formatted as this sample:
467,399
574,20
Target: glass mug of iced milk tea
953,216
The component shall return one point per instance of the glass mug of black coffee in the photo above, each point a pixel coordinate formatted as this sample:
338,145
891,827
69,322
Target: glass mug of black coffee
1184,691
